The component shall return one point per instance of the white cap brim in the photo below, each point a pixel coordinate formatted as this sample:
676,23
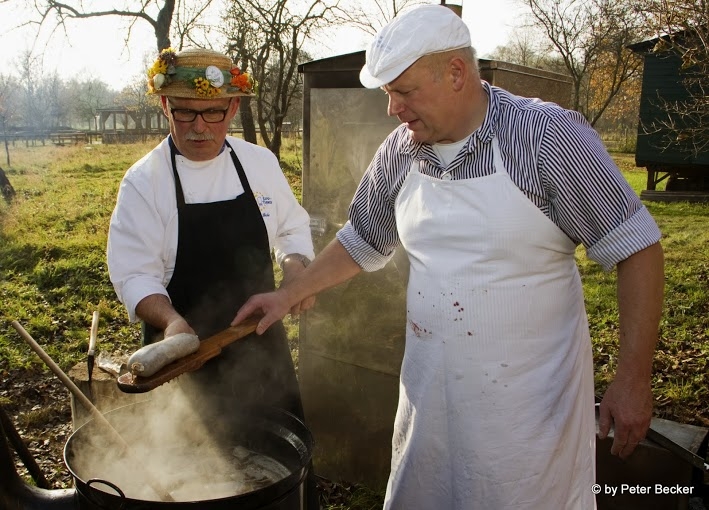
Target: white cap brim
388,76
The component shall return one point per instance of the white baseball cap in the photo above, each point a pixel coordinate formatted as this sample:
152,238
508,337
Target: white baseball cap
408,37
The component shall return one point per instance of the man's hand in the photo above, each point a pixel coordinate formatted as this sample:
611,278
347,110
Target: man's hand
628,410
331,267
273,305
178,325
291,267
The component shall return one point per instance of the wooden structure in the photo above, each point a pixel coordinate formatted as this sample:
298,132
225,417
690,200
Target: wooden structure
126,125
686,174
527,81
650,465
69,137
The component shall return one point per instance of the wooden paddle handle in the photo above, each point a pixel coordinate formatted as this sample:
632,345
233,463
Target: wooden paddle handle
208,349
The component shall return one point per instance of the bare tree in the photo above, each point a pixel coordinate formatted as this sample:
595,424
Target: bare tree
373,15
524,48
682,31
31,110
191,25
591,37
266,38
159,13
53,96
9,104
87,97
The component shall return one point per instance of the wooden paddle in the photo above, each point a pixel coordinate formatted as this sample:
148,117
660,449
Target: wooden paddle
208,349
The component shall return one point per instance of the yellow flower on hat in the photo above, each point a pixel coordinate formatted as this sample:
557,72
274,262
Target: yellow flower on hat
204,88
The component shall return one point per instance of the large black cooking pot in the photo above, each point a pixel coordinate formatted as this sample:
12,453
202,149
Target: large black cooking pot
274,433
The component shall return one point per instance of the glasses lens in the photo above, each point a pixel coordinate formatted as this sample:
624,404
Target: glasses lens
184,115
214,115
190,115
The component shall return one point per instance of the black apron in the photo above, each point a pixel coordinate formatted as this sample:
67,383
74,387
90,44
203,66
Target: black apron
224,257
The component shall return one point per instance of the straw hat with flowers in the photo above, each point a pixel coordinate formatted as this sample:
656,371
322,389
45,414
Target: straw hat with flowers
197,73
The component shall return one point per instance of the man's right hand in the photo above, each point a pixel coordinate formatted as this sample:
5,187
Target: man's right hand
178,325
273,305
156,309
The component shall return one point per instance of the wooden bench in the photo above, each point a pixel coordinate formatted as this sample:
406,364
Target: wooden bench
73,137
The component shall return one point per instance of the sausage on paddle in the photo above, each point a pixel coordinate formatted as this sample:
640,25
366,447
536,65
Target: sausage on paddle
149,359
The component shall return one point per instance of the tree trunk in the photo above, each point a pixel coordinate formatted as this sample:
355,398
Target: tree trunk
276,142
8,192
247,120
162,24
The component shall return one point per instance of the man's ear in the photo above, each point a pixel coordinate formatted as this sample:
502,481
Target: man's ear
163,103
234,106
457,70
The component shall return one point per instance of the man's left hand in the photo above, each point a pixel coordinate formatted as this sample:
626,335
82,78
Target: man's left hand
627,407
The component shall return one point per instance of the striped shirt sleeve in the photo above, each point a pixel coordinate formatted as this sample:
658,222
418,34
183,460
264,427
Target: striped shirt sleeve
589,199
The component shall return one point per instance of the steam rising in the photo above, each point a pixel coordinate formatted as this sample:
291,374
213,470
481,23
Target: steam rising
172,444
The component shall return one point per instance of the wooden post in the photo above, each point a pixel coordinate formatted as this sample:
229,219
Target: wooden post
102,391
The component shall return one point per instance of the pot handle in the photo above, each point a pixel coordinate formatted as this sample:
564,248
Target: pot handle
89,493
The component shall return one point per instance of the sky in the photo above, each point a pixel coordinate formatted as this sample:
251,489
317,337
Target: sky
95,47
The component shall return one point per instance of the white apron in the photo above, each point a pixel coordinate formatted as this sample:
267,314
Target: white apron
496,406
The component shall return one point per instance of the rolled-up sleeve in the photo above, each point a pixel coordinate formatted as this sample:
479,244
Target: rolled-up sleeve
368,258
370,236
632,236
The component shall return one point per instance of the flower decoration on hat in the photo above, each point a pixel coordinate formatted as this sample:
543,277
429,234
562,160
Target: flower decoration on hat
201,74
241,80
161,70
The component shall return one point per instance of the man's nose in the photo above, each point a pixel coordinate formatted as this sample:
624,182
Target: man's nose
198,124
395,107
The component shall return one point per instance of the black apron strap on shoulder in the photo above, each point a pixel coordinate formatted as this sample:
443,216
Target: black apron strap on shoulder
178,185
239,169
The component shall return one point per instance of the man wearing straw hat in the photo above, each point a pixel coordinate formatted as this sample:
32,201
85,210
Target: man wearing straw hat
194,227
490,194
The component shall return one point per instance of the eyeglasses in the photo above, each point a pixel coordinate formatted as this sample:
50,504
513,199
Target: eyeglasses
210,116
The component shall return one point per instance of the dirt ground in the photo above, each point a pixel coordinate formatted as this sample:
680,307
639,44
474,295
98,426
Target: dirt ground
39,407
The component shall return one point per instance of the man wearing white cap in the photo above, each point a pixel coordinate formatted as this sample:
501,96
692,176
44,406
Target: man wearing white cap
490,194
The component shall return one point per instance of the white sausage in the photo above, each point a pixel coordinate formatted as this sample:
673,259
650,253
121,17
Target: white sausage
150,358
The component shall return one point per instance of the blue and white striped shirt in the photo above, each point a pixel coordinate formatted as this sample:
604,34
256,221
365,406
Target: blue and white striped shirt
552,154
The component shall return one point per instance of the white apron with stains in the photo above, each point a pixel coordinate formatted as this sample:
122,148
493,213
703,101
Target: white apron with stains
496,406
